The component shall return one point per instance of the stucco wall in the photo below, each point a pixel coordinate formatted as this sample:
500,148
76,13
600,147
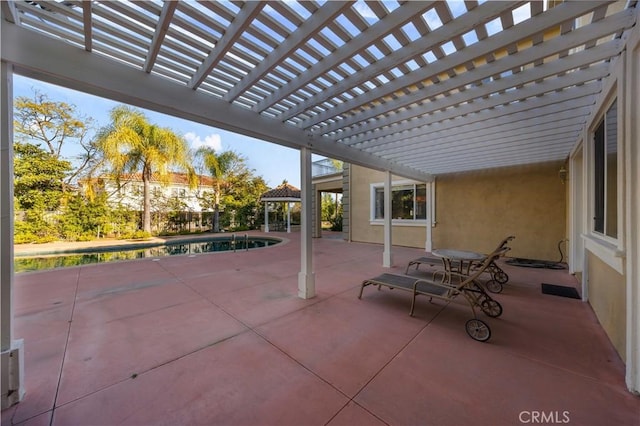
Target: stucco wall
360,202
476,210
607,296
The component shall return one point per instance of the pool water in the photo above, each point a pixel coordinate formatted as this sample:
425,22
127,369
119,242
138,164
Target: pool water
61,260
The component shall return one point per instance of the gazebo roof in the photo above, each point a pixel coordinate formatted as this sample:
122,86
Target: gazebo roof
283,192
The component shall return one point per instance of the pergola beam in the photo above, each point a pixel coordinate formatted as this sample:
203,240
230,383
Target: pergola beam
584,58
547,86
9,12
54,61
168,9
517,60
522,31
513,129
357,44
243,20
87,25
309,28
460,26
405,134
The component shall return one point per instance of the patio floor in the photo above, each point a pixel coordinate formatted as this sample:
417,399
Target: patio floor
222,338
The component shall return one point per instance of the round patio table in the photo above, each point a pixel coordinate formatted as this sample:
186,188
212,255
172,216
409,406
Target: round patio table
458,261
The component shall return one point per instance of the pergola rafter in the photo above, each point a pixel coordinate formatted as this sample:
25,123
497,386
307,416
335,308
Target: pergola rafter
403,86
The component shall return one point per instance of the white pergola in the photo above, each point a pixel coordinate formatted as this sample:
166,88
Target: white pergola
412,88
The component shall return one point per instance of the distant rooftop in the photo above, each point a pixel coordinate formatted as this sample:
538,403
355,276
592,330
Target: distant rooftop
283,192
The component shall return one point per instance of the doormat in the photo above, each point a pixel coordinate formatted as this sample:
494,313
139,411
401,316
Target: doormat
560,290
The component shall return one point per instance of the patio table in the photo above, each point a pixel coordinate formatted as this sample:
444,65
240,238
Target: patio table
458,261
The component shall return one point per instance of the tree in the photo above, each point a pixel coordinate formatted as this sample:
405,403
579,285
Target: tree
83,218
52,126
242,201
38,177
221,168
131,144
38,191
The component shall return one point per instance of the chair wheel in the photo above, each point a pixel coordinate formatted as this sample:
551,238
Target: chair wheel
491,308
493,286
501,277
478,330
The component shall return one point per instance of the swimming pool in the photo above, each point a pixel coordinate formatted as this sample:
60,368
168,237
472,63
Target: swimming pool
44,261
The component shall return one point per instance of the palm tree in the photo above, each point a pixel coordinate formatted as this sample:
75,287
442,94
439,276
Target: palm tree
221,167
131,144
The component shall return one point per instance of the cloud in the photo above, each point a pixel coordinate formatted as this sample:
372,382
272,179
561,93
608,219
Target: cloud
212,141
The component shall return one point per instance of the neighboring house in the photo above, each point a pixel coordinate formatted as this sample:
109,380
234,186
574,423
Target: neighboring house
170,196
130,191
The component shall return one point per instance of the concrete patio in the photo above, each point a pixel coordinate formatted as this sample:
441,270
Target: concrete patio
222,338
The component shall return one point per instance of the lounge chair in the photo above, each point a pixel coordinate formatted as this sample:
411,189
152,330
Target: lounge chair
498,276
427,260
467,285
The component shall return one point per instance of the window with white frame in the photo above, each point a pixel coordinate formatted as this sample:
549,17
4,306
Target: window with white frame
605,174
408,202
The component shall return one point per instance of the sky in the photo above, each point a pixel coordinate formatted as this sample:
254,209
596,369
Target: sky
273,162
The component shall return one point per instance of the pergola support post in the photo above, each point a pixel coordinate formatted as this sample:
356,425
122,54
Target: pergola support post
266,216
387,256
12,354
288,218
306,278
428,245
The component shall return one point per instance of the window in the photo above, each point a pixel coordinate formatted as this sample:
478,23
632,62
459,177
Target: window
408,202
178,193
605,173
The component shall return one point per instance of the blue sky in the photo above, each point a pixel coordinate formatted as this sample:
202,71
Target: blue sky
273,162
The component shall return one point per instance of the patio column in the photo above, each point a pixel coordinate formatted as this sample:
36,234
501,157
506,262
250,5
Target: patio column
387,257
12,357
306,278
428,245
632,211
288,217
266,216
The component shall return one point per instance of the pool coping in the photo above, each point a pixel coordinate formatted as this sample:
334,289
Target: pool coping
97,246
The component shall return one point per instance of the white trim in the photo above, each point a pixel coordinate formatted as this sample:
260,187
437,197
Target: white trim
334,177
401,223
606,252
397,184
575,209
283,200
631,92
614,96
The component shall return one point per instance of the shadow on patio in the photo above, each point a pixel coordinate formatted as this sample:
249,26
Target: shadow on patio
223,339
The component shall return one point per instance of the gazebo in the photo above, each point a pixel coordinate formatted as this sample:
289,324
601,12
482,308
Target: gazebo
283,193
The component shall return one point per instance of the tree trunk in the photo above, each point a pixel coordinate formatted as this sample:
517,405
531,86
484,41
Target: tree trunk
216,211
146,209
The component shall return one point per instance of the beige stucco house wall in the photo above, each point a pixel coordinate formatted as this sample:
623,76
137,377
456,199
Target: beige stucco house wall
476,211
607,296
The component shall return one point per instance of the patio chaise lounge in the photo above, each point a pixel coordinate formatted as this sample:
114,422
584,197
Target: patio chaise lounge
445,290
498,276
